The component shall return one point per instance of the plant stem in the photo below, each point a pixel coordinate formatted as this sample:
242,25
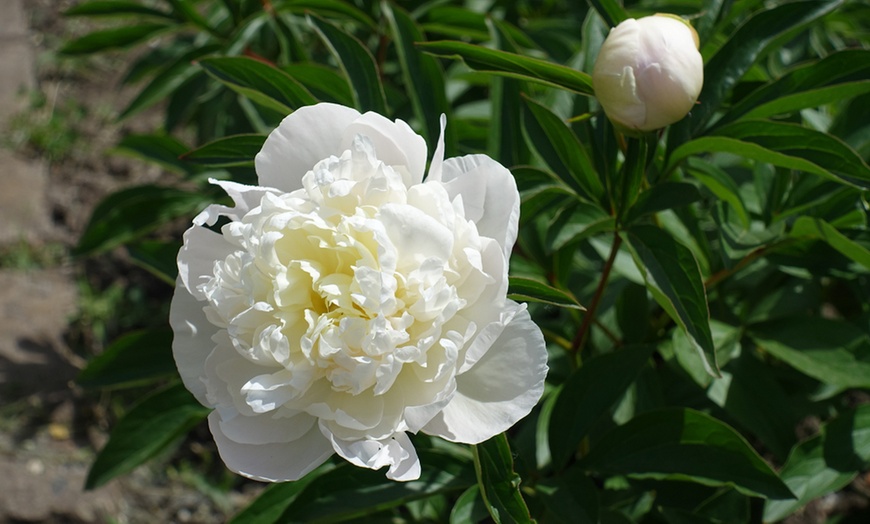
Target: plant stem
583,332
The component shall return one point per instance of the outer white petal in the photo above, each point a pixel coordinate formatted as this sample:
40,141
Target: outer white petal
263,429
489,196
277,462
202,247
192,341
500,389
305,137
395,143
396,451
245,198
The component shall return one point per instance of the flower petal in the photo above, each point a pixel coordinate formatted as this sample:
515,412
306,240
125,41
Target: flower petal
277,462
395,451
192,342
489,196
202,248
395,144
245,197
305,137
496,392
263,429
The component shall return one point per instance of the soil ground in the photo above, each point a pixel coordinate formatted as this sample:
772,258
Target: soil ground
58,119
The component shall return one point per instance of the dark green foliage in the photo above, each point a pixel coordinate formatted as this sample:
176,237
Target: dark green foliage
723,265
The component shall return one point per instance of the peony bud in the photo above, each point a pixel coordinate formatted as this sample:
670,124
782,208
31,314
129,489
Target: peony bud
649,72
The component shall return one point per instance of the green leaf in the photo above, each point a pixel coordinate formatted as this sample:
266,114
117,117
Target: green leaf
816,228
570,498
512,65
808,475
720,183
236,150
561,150
662,197
838,76
145,431
159,258
112,38
159,149
610,10
115,8
831,351
469,507
683,444
349,492
323,82
130,213
671,273
268,507
423,77
847,440
725,69
356,62
167,81
262,83
134,358
333,7
499,484
587,396
786,145
575,222
528,290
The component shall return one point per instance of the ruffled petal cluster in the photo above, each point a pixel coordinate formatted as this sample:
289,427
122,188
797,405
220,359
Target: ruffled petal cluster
345,302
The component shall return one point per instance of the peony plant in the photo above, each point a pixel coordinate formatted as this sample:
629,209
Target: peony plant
649,72
347,302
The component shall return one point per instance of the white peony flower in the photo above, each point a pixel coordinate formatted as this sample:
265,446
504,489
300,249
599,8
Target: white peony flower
649,72
346,302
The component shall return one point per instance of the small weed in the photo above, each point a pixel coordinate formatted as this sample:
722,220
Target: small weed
46,128
26,256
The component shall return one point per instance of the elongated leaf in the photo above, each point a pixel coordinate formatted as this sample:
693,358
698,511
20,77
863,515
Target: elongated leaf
498,483
679,443
130,213
817,228
134,358
831,351
588,395
836,77
115,8
159,149
786,145
610,10
236,150
847,440
513,65
561,149
528,290
672,275
269,506
351,493
112,38
424,80
165,83
570,498
159,258
577,221
662,197
745,46
264,84
720,184
324,83
331,7
808,475
149,428
356,62
469,507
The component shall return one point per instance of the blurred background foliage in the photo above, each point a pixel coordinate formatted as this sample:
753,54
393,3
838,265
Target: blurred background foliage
718,368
